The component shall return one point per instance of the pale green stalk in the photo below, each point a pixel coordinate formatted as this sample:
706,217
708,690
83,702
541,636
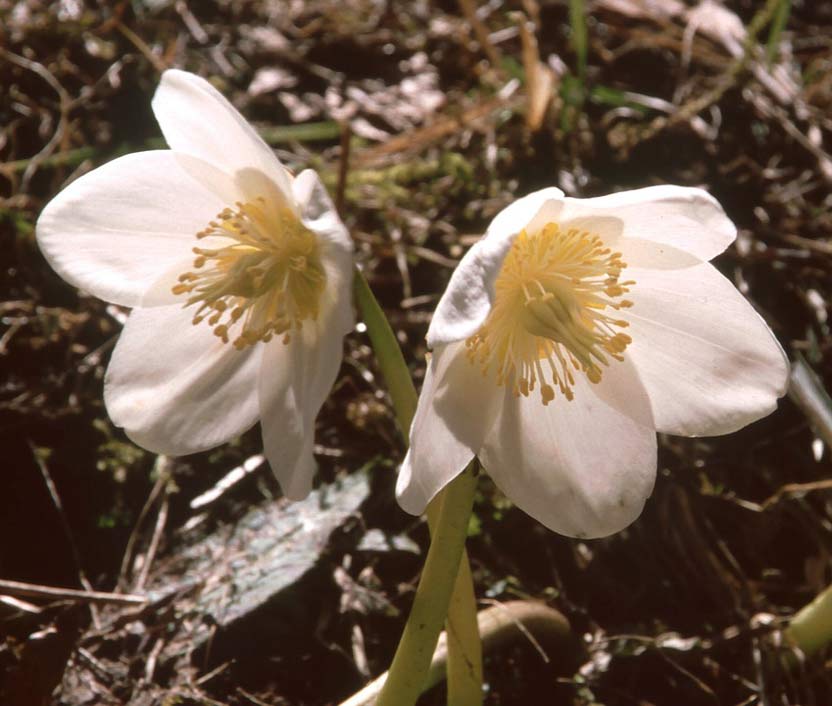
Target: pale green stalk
411,663
778,24
464,669
388,355
811,627
465,651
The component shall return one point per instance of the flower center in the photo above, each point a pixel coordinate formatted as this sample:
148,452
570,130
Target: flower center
262,277
553,314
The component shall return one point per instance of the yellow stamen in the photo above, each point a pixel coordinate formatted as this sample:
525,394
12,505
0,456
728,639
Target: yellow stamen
262,276
549,315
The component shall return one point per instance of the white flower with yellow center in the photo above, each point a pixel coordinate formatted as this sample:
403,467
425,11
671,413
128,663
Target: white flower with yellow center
238,273
573,332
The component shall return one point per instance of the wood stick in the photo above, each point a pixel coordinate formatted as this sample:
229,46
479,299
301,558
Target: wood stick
20,588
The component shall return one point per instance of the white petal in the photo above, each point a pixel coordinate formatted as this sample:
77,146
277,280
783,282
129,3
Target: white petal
294,382
253,183
336,300
583,468
655,226
455,411
522,212
116,230
709,362
196,119
175,387
467,300
318,212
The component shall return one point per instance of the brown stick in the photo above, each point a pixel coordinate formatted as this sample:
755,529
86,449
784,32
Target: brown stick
19,588
469,9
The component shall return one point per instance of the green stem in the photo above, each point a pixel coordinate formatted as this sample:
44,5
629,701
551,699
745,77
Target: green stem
577,22
811,627
408,673
465,650
464,646
388,355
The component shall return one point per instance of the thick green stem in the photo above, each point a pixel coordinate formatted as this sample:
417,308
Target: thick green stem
811,627
464,646
465,650
409,671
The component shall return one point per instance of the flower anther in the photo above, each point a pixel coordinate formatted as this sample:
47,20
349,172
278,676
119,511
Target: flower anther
263,276
554,313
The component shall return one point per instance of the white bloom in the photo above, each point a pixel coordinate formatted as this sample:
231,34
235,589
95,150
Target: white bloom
239,276
573,332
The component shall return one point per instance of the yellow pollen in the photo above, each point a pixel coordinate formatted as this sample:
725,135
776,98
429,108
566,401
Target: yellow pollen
551,316
261,277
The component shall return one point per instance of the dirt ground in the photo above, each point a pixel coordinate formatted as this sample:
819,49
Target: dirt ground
450,116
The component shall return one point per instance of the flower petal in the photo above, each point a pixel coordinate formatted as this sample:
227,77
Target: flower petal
467,300
294,382
115,231
175,387
583,468
709,362
643,223
455,411
520,213
318,212
196,119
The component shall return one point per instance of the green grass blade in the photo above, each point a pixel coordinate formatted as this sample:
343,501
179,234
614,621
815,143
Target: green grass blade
577,19
778,23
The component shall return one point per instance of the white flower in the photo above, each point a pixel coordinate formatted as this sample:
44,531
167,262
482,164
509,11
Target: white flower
239,276
573,332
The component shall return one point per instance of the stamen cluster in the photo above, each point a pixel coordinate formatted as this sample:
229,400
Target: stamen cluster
263,274
553,313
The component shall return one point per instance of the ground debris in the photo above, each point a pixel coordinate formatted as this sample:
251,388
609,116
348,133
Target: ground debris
216,598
